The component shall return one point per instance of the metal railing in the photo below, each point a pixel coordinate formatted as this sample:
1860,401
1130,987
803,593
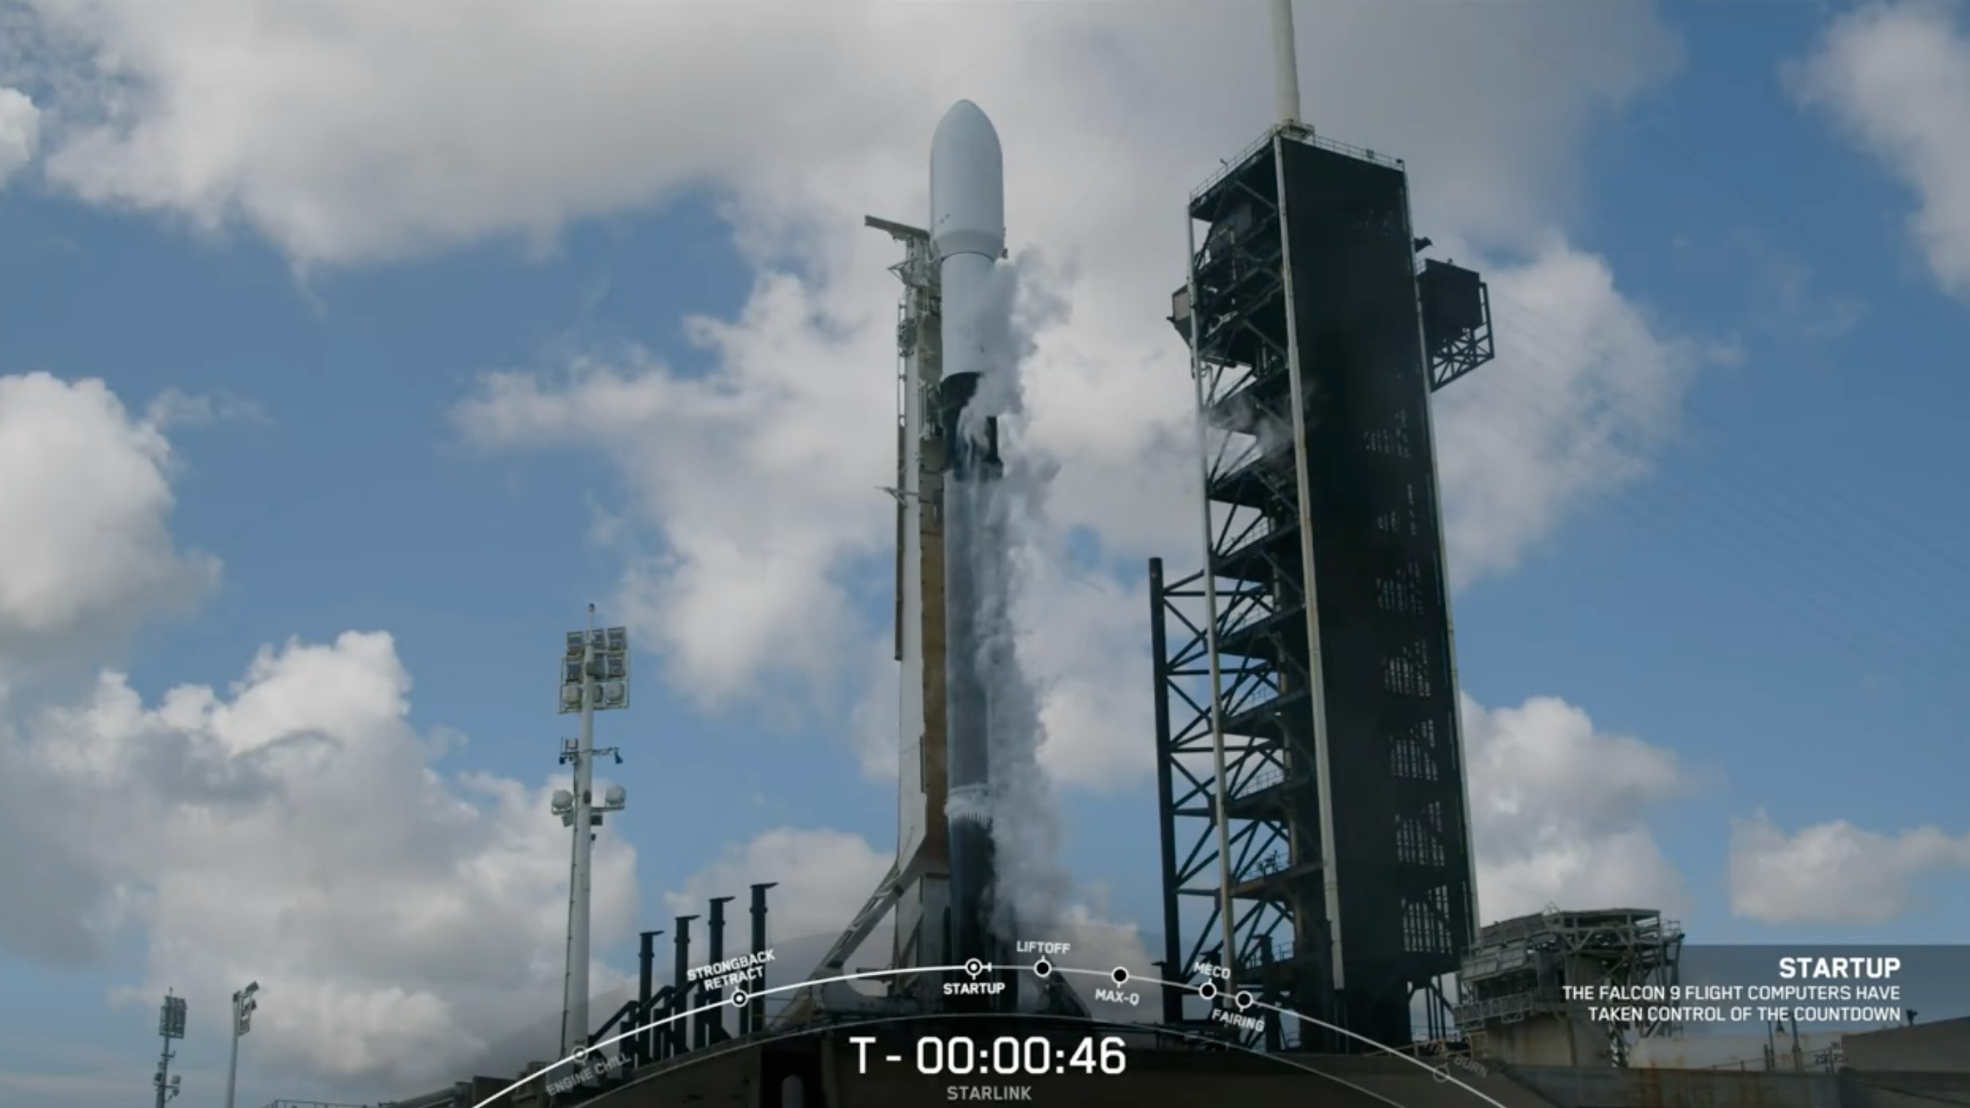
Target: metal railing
1509,1008
1298,132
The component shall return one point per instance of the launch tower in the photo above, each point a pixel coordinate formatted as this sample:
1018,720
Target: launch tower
1313,800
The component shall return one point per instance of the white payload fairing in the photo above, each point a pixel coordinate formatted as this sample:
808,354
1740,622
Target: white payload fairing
967,228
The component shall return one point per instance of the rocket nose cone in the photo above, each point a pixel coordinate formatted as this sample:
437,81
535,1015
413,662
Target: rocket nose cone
965,113
965,126
967,184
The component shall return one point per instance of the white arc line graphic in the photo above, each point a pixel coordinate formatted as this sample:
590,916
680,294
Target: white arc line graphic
1440,1074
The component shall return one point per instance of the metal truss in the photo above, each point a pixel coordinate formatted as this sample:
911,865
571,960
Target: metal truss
1456,321
1262,699
1261,849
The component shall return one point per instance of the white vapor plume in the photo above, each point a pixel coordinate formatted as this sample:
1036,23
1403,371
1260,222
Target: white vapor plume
1029,884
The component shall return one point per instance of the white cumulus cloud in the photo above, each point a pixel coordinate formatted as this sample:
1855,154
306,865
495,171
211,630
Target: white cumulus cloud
1583,392
1896,78
354,132
292,828
824,876
348,134
1559,811
762,481
294,831
85,497
20,131
1836,872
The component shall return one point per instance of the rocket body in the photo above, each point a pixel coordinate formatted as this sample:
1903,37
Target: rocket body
967,227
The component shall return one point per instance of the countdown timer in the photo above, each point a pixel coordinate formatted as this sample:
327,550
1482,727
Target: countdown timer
1005,1056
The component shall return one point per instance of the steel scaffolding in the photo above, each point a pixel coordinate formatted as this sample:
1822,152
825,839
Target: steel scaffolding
1312,656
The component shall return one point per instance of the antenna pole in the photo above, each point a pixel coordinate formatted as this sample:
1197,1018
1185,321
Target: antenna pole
574,1007
1285,62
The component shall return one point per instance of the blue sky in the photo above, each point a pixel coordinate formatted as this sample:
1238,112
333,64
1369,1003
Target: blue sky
1709,528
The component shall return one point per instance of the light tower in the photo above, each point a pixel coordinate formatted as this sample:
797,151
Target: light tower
594,677
244,1003
170,1025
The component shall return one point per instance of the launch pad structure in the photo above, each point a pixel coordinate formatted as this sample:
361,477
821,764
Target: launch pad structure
1313,803
1512,989
1313,807
1313,810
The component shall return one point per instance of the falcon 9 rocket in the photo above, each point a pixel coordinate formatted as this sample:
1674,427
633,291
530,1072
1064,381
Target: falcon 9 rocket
967,229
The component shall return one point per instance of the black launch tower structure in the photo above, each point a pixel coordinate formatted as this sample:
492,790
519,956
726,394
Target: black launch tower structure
1316,641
